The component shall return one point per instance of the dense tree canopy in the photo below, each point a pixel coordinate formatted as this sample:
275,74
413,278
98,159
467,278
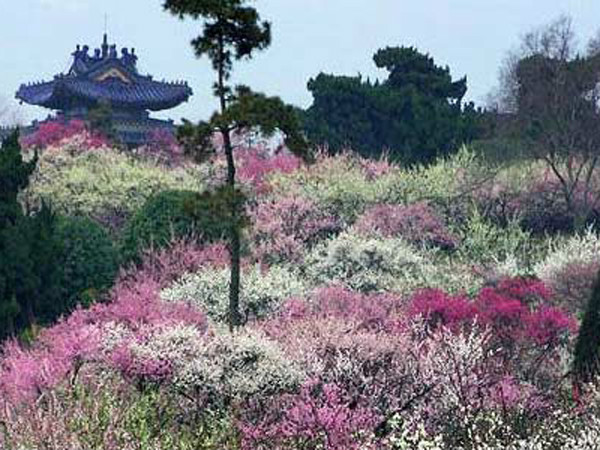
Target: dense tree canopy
415,114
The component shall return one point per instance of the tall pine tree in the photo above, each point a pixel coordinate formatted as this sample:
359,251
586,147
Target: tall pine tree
233,31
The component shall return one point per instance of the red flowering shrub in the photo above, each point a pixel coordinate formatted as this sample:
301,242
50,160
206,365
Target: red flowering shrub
417,223
284,229
515,309
443,309
526,330
52,133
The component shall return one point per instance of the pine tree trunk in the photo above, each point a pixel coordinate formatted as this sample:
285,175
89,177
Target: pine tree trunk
234,239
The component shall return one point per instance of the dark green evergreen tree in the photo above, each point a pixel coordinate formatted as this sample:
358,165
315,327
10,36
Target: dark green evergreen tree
233,31
586,363
415,115
29,275
16,268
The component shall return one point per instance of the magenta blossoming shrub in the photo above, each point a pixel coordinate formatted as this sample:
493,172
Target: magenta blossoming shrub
54,133
283,229
527,332
417,223
443,309
516,309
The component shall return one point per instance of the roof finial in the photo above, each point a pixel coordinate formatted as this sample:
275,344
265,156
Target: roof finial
105,39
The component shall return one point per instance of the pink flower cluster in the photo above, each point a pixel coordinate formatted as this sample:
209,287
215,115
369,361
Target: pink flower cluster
321,413
162,148
134,303
417,223
283,229
52,133
256,164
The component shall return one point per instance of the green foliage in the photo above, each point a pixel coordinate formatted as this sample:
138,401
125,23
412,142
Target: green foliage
367,264
337,185
164,216
175,213
29,275
14,176
242,365
89,260
415,114
161,218
586,364
487,244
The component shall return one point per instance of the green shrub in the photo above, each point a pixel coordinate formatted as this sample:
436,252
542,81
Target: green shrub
372,264
163,216
586,361
343,187
365,264
89,259
175,213
489,245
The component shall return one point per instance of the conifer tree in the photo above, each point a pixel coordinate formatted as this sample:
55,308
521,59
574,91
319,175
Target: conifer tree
29,275
15,266
233,31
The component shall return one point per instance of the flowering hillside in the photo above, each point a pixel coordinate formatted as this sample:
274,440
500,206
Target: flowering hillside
383,308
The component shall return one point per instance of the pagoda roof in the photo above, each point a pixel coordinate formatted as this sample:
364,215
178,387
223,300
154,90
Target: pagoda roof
105,77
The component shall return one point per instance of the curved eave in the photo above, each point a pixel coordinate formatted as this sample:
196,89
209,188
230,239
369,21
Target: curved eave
39,94
150,95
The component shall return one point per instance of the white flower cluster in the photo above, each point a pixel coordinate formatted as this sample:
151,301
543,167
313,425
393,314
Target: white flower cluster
262,292
579,249
369,264
176,344
238,365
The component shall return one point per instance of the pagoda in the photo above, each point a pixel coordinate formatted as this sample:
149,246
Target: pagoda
107,78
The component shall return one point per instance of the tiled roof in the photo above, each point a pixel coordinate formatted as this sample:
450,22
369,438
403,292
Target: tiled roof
105,77
146,94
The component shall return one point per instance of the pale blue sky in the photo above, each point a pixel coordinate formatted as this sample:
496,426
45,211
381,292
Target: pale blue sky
309,36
